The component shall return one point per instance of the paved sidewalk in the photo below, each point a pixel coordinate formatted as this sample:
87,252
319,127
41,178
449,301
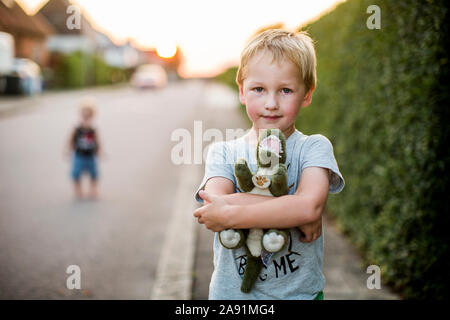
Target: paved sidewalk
345,273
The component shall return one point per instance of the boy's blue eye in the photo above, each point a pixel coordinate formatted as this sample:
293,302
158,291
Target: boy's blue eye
258,89
286,90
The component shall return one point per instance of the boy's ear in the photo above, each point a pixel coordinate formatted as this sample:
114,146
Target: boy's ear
241,94
307,98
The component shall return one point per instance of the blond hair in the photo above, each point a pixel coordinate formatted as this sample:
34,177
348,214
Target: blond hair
295,46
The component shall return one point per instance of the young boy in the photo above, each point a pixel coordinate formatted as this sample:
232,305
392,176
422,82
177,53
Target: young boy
276,77
84,145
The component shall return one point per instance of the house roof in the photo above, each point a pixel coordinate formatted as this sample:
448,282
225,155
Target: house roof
15,21
103,40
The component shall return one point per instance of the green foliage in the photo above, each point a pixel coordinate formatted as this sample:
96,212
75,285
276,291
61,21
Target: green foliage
76,70
228,77
80,69
382,99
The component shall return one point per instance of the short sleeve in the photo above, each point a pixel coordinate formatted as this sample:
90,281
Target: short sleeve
218,164
318,152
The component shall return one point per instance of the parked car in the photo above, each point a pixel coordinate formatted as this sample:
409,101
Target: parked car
6,58
25,78
149,76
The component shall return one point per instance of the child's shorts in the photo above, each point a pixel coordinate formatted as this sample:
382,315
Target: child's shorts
84,164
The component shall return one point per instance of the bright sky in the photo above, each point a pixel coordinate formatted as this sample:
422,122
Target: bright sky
211,34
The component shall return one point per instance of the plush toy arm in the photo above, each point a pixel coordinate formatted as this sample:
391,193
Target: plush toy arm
243,175
279,185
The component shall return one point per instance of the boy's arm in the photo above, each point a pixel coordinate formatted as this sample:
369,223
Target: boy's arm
303,208
99,141
69,144
242,198
224,187
289,211
99,145
219,186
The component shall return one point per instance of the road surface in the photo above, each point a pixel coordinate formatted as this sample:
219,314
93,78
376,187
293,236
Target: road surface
116,241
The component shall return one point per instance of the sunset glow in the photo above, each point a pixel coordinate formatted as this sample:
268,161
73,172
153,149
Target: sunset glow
166,50
209,34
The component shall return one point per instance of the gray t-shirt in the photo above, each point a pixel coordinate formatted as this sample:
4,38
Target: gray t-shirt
296,271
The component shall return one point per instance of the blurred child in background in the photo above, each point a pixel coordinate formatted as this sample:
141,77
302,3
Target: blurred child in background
83,147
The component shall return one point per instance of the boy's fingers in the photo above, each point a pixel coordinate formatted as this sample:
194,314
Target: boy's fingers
302,237
311,237
319,233
197,212
204,195
306,238
207,196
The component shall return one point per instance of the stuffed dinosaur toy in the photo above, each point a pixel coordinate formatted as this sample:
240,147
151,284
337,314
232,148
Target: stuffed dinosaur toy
270,179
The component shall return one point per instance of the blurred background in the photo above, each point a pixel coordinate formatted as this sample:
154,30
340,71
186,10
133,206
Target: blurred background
382,99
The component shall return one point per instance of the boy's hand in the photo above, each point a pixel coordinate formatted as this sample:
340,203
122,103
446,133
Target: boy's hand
213,215
311,231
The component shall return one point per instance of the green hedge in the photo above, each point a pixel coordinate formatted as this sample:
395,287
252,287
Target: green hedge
228,77
382,99
80,69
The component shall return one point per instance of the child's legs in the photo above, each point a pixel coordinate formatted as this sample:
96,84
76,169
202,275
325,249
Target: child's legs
93,189
91,167
77,189
76,175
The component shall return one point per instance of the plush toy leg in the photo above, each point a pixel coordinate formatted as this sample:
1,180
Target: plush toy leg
274,240
243,175
251,273
253,241
279,185
231,239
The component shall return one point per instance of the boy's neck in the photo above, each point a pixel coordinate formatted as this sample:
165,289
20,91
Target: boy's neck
288,132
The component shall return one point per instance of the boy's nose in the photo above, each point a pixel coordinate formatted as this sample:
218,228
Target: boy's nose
271,103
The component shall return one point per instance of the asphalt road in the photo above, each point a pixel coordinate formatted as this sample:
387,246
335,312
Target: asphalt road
116,241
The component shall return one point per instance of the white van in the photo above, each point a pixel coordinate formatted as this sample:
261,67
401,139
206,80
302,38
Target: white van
149,76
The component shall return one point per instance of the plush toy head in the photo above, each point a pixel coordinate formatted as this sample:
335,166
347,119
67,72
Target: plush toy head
271,148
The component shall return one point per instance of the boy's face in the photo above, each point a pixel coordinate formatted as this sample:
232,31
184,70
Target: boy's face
86,116
273,94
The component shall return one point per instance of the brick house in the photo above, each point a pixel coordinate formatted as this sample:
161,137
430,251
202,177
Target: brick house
30,33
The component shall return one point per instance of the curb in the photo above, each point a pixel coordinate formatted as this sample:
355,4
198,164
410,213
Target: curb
174,279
